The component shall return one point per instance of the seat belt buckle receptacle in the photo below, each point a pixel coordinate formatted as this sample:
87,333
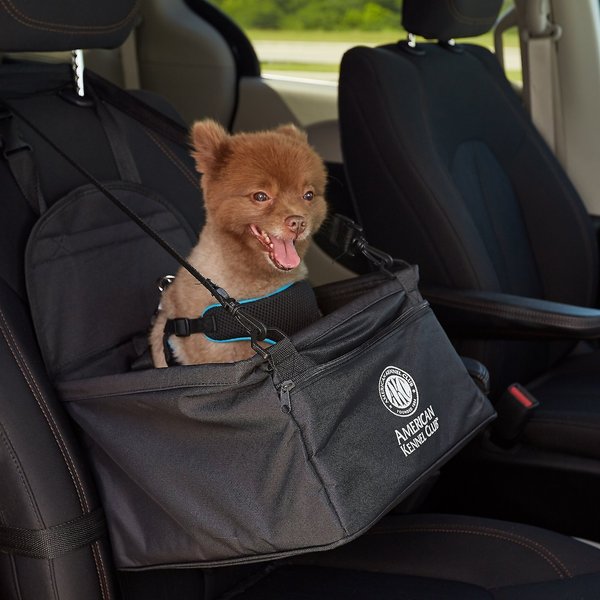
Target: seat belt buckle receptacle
514,409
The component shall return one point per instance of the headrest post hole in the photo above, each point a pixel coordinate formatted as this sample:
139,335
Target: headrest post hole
451,45
78,67
410,45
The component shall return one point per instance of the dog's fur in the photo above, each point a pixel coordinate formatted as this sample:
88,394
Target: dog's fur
252,184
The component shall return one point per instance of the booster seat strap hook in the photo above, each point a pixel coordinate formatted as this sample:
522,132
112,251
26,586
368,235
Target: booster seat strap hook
348,236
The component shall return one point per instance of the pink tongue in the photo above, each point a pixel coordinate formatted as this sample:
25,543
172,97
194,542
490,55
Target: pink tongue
285,253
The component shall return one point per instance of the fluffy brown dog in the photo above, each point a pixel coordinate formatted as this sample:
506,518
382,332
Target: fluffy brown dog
263,194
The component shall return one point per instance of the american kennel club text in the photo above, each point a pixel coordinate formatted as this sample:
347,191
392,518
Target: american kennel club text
399,394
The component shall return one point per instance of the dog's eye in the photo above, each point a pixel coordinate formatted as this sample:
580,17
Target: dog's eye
260,197
309,195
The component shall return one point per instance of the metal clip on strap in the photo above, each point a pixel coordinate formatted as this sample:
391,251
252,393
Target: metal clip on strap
380,259
256,330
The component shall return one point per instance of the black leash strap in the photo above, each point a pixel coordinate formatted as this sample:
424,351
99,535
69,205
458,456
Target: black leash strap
116,139
54,541
18,155
256,330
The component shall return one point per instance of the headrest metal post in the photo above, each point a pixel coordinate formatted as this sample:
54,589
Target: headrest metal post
78,67
411,40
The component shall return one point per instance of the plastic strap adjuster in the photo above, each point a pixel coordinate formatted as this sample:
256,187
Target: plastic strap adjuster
181,327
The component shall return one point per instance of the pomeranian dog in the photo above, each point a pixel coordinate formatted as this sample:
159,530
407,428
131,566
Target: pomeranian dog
264,199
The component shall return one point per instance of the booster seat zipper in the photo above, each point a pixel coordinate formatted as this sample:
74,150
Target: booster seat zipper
284,395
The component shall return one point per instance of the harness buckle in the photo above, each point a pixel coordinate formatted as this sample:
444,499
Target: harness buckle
181,327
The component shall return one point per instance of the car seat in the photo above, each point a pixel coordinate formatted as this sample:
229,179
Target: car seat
52,538
448,171
467,188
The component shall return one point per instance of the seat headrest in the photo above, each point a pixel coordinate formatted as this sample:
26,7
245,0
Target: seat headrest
448,19
54,25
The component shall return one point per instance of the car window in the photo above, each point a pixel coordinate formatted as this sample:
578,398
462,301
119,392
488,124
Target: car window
307,38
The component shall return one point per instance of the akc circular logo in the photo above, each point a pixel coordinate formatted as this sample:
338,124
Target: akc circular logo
398,392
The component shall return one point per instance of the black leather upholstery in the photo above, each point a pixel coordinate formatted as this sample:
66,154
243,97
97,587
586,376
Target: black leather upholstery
497,314
44,470
298,583
481,552
418,557
40,25
45,478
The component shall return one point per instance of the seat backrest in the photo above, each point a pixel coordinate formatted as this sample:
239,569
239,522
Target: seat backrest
447,171
47,493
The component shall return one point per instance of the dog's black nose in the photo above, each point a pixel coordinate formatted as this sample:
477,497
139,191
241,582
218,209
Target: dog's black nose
296,223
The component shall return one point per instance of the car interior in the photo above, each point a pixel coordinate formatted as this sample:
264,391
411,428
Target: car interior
442,161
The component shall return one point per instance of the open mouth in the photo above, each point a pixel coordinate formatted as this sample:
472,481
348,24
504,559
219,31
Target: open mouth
281,252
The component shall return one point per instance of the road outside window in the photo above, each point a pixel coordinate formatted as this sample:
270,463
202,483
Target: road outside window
306,39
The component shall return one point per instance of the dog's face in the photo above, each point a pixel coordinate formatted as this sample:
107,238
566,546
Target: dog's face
264,189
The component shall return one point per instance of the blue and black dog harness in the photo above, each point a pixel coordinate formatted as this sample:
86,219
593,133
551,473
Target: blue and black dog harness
289,309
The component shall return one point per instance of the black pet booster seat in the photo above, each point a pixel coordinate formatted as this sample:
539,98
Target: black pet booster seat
300,448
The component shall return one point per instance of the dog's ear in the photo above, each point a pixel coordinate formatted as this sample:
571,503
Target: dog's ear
211,143
291,130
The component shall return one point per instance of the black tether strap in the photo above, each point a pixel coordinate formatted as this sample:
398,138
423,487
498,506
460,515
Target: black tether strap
19,157
54,541
118,144
139,110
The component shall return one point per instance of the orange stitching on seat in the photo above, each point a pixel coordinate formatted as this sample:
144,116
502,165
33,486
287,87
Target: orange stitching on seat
13,347
520,540
32,23
97,553
37,394
11,453
173,158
